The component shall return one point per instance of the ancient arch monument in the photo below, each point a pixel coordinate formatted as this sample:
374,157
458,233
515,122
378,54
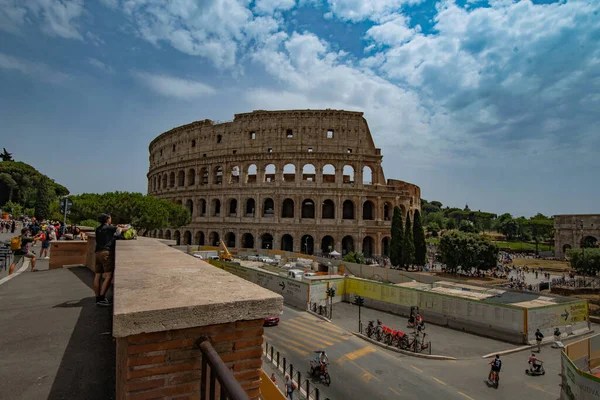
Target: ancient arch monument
574,231
307,181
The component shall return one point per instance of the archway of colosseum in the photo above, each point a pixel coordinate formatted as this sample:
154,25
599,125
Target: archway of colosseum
287,209
187,238
172,179
177,238
347,245
213,239
233,205
204,176
189,204
168,234
385,246
199,238
367,246
388,211
270,173
251,173
268,208
247,241
287,242
328,211
367,175
327,244
181,179
348,173
164,181
308,173
308,209
216,208
307,244
289,173
179,202
368,210
328,173
348,210
230,239
250,208
218,178
234,177
161,234
589,242
266,241
202,208
191,178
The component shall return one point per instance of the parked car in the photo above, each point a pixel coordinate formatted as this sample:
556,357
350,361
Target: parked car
271,321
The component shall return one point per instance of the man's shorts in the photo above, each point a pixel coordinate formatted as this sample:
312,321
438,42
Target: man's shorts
105,261
45,245
20,257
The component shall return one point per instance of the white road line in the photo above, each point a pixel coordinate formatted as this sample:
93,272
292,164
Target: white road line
9,277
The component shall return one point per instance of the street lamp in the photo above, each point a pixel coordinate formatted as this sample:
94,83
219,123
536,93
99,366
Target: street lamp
582,245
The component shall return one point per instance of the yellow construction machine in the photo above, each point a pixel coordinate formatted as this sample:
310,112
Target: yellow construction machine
224,254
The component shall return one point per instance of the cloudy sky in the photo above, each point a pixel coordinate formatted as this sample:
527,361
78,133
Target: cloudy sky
491,103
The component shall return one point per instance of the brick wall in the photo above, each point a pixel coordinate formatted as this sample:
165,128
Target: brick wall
166,365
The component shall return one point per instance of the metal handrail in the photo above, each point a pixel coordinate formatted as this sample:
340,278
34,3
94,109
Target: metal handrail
230,388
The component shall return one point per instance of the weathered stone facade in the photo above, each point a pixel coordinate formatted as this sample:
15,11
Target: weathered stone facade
570,231
303,180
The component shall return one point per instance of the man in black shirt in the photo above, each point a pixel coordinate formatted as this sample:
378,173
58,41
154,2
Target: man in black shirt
105,257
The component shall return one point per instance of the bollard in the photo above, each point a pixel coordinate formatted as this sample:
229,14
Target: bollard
271,353
277,360
430,347
266,347
299,380
308,389
316,393
292,371
284,365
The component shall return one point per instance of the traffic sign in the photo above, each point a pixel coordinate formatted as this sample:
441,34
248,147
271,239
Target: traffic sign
67,202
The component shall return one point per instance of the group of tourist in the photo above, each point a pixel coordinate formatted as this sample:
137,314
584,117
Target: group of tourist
8,226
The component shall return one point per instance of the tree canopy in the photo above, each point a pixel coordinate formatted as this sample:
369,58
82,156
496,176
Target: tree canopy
6,156
467,251
589,265
408,245
20,183
397,237
419,241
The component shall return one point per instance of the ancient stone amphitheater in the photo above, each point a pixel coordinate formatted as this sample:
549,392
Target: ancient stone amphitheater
306,181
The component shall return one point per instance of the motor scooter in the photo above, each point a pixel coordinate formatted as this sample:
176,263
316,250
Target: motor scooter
533,371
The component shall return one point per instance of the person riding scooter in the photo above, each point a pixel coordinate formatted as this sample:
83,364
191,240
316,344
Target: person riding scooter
536,363
496,366
320,361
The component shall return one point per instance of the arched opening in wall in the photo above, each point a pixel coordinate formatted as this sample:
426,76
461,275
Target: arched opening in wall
179,202
168,234
566,248
216,208
588,242
328,174
307,245
287,243
287,209
187,238
270,172
385,246
327,244
199,239
213,239
328,211
161,234
177,238
181,178
388,211
266,241
154,184
202,208
247,241
230,239
368,210
172,179
367,246
251,174
348,210
233,207
164,181
289,173
348,173
204,176
269,208
235,174
367,175
191,178
308,209
347,245
250,207
218,178
403,211
308,173
189,204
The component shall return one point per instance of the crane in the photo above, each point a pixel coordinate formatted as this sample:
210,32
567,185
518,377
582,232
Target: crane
224,254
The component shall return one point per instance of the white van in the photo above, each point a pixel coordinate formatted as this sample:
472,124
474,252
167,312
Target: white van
297,274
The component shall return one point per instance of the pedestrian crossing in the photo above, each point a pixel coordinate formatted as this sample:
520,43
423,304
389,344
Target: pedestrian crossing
305,334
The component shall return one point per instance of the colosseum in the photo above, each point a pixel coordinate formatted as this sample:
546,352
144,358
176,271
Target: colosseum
307,181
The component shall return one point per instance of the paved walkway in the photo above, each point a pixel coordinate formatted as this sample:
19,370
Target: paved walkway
55,343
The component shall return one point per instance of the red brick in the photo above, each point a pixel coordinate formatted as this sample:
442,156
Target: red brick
171,344
176,379
253,393
144,385
148,337
187,397
162,370
198,331
168,391
250,384
243,355
250,324
179,355
246,333
247,375
136,361
250,364
244,344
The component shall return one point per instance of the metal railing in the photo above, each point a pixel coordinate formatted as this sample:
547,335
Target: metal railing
215,373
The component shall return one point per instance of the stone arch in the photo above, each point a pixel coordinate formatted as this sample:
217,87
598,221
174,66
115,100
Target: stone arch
250,208
289,173
202,208
213,239
287,242
204,176
181,178
179,202
348,210
328,209
247,241
327,244
328,173
172,179
189,204
270,173
164,181
187,238
268,208
308,209
266,240
234,177
287,209
154,183
232,208
368,210
168,234
251,173
218,175
308,173
307,245
177,238
161,234
230,239
385,246
347,245
191,177
348,174
368,246
367,175
588,241
566,248
388,211
199,238
215,207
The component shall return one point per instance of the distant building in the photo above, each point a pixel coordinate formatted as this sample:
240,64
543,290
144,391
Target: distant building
572,231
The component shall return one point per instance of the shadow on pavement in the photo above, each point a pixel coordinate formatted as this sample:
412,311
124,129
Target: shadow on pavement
87,369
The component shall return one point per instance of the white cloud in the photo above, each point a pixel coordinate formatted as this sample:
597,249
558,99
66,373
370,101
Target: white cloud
12,16
358,10
54,17
39,71
95,39
393,31
100,65
172,86
270,6
110,3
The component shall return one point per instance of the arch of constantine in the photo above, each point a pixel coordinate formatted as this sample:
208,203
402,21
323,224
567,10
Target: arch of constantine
306,181
574,231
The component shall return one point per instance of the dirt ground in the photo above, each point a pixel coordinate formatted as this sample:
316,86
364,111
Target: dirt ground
550,265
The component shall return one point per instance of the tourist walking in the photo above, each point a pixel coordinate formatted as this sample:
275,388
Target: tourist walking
105,257
538,338
289,388
20,247
13,226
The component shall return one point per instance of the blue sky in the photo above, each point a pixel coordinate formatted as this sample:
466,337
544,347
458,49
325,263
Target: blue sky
491,103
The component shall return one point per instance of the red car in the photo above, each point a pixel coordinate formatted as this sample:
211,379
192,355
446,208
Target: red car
271,321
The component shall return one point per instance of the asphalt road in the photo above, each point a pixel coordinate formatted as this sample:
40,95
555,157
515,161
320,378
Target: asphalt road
360,370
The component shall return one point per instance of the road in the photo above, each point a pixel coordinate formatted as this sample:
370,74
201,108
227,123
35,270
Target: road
360,370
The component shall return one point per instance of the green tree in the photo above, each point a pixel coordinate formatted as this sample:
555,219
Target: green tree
6,156
44,198
540,228
467,251
450,224
588,265
437,204
419,241
27,181
397,238
355,257
13,208
433,229
10,183
467,226
408,246
509,228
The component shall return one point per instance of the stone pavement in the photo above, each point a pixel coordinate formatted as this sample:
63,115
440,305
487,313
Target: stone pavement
55,343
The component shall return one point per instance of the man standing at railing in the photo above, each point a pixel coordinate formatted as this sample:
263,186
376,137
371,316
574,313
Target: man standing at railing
105,257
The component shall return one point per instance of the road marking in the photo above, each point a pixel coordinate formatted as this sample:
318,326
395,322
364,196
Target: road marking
539,388
315,333
307,335
392,389
466,396
366,377
288,343
7,278
325,325
359,353
438,381
418,369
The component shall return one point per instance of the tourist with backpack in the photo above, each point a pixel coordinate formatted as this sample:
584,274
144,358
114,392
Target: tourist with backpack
20,247
290,386
47,237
